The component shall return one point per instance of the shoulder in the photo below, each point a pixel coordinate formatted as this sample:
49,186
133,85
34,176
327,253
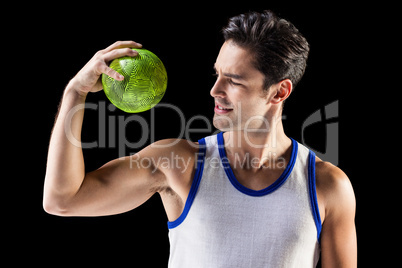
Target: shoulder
330,179
334,189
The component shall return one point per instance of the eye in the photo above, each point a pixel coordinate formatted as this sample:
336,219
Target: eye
233,83
228,79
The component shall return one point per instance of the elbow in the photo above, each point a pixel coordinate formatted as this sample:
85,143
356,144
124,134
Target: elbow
55,206
52,209
56,200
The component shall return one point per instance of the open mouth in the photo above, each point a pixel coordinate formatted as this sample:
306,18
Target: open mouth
222,110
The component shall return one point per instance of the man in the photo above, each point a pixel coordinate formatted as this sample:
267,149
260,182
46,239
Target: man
249,196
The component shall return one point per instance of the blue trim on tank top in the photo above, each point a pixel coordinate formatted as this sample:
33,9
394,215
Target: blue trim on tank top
194,185
313,193
232,178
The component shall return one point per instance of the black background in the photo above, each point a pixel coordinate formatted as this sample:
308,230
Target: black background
54,42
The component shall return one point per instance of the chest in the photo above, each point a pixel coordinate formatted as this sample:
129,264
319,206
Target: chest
223,211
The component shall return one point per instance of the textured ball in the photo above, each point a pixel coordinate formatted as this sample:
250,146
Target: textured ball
144,84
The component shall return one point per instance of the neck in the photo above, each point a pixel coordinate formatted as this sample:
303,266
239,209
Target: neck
261,145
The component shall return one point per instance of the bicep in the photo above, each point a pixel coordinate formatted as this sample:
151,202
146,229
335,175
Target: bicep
338,236
117,187
338,243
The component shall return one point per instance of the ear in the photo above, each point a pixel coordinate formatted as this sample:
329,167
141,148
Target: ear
283,90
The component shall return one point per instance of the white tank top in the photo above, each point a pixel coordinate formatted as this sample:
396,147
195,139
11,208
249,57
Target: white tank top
225,224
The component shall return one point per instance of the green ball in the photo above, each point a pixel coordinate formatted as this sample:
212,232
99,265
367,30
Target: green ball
144,84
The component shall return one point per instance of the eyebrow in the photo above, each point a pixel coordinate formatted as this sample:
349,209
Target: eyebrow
235,76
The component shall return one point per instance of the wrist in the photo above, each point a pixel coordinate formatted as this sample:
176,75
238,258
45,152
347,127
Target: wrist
73,88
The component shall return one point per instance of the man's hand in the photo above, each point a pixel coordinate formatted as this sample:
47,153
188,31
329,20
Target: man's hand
88,78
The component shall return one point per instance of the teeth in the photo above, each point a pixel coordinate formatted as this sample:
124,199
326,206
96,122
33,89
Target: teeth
221,108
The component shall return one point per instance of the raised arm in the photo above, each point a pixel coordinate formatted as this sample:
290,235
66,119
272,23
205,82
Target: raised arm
110,189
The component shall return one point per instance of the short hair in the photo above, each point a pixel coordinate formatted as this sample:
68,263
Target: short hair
280,50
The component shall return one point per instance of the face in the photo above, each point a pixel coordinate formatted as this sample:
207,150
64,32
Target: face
238,91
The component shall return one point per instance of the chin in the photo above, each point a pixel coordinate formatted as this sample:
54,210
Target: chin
223,123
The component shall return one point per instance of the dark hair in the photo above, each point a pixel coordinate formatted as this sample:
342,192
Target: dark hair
279,49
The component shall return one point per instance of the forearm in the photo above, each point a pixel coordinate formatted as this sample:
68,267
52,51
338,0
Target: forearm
65,165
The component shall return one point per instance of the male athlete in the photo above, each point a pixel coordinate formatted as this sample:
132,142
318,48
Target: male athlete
251,196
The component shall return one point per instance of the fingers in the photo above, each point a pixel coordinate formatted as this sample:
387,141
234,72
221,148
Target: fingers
118,53
117,50
112,73
123,44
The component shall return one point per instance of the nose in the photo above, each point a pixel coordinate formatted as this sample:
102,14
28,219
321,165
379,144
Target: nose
218,89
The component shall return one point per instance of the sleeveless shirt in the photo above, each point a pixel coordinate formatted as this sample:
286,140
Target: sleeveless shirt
225,224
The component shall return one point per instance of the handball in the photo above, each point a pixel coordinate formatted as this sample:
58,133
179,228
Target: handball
144,84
